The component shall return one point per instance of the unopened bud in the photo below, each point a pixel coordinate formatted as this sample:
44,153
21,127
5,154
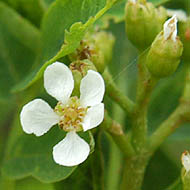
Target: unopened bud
170,29
79,69
165,52
143,22
97,47
103,46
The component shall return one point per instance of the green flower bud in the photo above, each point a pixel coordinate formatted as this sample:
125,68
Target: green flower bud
103,45
79,69
143,22
184,33
164,55
96,47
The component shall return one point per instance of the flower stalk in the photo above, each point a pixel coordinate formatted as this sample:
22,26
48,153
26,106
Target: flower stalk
116,132
114,93
133,173
145,86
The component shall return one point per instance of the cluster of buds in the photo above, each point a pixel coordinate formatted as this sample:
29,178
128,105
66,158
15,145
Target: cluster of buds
143,22
97,48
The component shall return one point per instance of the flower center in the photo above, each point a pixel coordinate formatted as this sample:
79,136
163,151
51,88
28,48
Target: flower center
71,114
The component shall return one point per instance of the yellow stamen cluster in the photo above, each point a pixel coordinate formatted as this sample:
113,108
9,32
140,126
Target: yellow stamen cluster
71,114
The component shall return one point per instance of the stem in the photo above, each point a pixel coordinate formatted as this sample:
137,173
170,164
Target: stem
115,156
134,172
135,165
145,85
116,132
186,94
112,90
167,127
97,164
114,166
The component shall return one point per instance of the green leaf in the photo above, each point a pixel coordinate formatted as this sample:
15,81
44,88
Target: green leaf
27,183
31,155
19,44
28,8
177,185
115,14
65,21
6,106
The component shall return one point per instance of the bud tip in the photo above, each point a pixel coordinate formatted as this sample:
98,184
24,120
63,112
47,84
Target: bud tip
185,159
170,28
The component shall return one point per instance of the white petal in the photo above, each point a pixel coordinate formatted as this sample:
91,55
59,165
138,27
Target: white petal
170,28
181,15
37,117
71,151
92,89
94,117
58,81
186,160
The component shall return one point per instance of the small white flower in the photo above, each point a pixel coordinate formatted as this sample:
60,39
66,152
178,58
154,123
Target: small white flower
170,28
180,14
185,158
71,113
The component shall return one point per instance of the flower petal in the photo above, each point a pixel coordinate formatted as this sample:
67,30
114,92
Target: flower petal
170,28
186,160
37,117
71,151
94,117
58,81
92,89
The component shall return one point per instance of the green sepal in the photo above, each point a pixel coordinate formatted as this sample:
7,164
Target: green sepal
164,56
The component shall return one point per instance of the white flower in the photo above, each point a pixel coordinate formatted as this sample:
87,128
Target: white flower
71,113
180,14
185,159
170,28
